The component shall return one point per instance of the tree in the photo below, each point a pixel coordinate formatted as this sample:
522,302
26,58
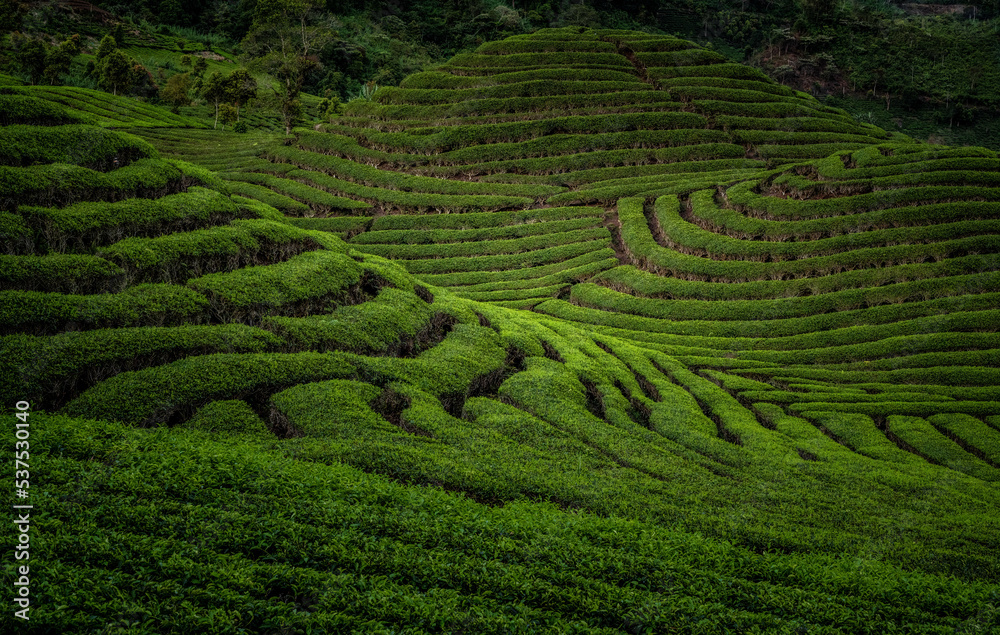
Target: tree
227,114
104,49
200,66
59,59
115,72
330,107
241,87
284,41
214,91
30,55
118,33
175,92
11,12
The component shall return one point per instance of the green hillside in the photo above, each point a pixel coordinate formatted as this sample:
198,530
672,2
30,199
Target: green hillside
585,331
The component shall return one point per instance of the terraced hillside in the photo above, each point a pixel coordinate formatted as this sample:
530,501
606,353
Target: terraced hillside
586,331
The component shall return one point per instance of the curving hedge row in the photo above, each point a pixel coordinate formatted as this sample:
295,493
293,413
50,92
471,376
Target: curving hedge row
52,370
83,226
643,283
446,81
770,328
32,111
304,284
599,160
682,57
61,184
970,432
921,435
573,271
316,199
596,296
707,214
746,198
451,137
691,239
529,88
639,97
42,313
859,432
402,200
269,197
833,167
726,82
508,47
179,256
601,258
499,63
72,144
374,177
151,396
446,236
67,273
654,186
766,109
533,241
507,262
481,220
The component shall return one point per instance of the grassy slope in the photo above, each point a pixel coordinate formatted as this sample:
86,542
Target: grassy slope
276,430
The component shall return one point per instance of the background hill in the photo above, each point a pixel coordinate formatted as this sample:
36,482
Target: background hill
928,70
585,330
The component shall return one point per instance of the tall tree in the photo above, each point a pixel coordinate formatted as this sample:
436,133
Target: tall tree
59,59
104,49
214,90
241,87
284,41
11,12
30,55
176,91
115,72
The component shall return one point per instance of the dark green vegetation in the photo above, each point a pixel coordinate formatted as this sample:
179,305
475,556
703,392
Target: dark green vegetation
927,69
289,385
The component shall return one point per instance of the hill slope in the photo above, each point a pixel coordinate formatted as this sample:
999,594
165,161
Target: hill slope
290,385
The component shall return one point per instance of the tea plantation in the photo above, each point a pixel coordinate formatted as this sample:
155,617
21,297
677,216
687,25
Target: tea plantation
588,331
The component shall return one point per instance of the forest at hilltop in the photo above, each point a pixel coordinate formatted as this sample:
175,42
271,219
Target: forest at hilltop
929,70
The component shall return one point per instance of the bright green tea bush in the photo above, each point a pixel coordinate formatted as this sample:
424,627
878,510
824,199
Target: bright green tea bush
587,331
76,145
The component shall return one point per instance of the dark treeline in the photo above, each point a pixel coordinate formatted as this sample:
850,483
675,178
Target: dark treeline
884,57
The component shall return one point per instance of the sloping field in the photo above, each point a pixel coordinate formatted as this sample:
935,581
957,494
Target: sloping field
583,332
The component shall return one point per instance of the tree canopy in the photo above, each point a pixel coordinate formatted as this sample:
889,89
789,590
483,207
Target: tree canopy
284,41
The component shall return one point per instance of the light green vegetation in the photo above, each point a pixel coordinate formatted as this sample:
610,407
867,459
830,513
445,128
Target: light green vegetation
586,331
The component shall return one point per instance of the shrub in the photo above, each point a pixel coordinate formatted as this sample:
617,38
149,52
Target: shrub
396,322
308,283
172,393
484,247
505,262
61,184
179,256
315,198
86,225
25,109
233,417
142,305
922,436
77,273
52,370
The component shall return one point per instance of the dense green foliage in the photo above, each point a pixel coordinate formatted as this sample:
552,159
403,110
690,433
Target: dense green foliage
285,382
